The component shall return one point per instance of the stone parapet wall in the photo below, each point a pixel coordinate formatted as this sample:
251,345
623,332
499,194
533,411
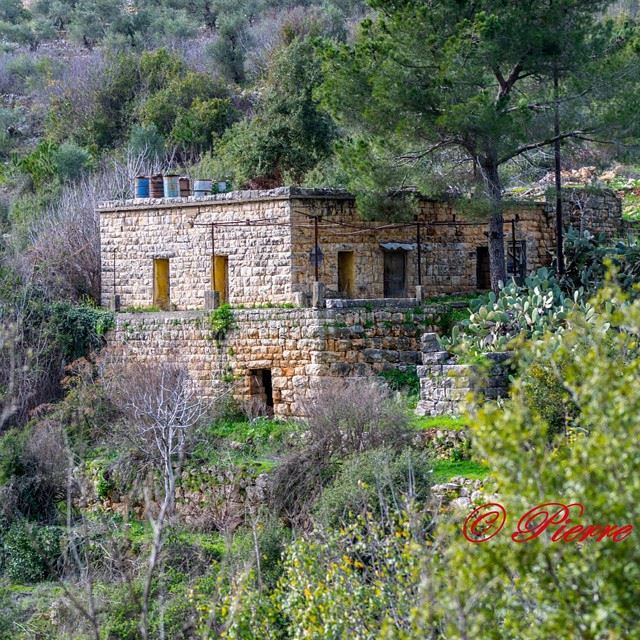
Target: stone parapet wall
300,347
445,383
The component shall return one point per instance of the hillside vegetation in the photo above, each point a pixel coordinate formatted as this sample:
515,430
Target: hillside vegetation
130,508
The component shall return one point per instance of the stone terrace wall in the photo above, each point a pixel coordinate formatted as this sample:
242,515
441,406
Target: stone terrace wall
449,253
301,347
141,230
445,384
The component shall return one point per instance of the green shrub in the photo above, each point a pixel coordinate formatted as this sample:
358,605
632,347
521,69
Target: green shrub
271,538
104,486
221,321
377,482
547,397
450,317
403,379
79,328
40,164
197,127
346,417
31,552
71,161
147,141
12,445
123,614
360,581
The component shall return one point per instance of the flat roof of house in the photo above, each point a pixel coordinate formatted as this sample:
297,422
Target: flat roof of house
261,195
250,195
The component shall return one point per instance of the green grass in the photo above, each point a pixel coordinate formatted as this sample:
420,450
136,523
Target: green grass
260,430
449,423
444,470
260,441
148,309
211,543
462,297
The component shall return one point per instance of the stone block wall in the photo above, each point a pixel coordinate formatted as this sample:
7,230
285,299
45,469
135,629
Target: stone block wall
445,384
259,256
449,251
300,347
594,210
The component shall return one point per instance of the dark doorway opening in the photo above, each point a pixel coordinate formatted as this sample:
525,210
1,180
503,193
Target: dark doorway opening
483,268
395,274
262,389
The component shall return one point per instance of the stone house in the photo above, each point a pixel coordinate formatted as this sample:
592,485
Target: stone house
317,292
258,247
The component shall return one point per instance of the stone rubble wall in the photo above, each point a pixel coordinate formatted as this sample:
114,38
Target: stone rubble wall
302,347
445,384
598,211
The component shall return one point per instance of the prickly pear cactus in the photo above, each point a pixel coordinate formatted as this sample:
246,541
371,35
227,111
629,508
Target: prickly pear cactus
517,311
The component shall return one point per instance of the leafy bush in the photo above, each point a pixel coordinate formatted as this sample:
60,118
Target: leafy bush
346,417
221,321
12,445
548,398
71,161
402,380
197,127
599,360
31,552
358,582
289,133
40,164
378,482
79,328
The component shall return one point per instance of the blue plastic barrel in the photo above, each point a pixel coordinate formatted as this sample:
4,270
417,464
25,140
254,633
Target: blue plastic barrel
171,186
202,187
141,186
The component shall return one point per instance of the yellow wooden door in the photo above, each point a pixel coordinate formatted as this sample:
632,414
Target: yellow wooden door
220,277
161,292
346,273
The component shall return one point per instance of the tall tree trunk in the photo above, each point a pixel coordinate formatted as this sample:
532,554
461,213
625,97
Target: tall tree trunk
558,173
496,223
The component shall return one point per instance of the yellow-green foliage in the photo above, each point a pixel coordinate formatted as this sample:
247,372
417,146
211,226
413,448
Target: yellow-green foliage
543,589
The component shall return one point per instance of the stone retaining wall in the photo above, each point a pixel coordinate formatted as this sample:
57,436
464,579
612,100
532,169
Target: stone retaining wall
300,347
445,384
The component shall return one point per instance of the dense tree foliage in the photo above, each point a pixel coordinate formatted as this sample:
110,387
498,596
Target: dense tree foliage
288,134
539,588
473,80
